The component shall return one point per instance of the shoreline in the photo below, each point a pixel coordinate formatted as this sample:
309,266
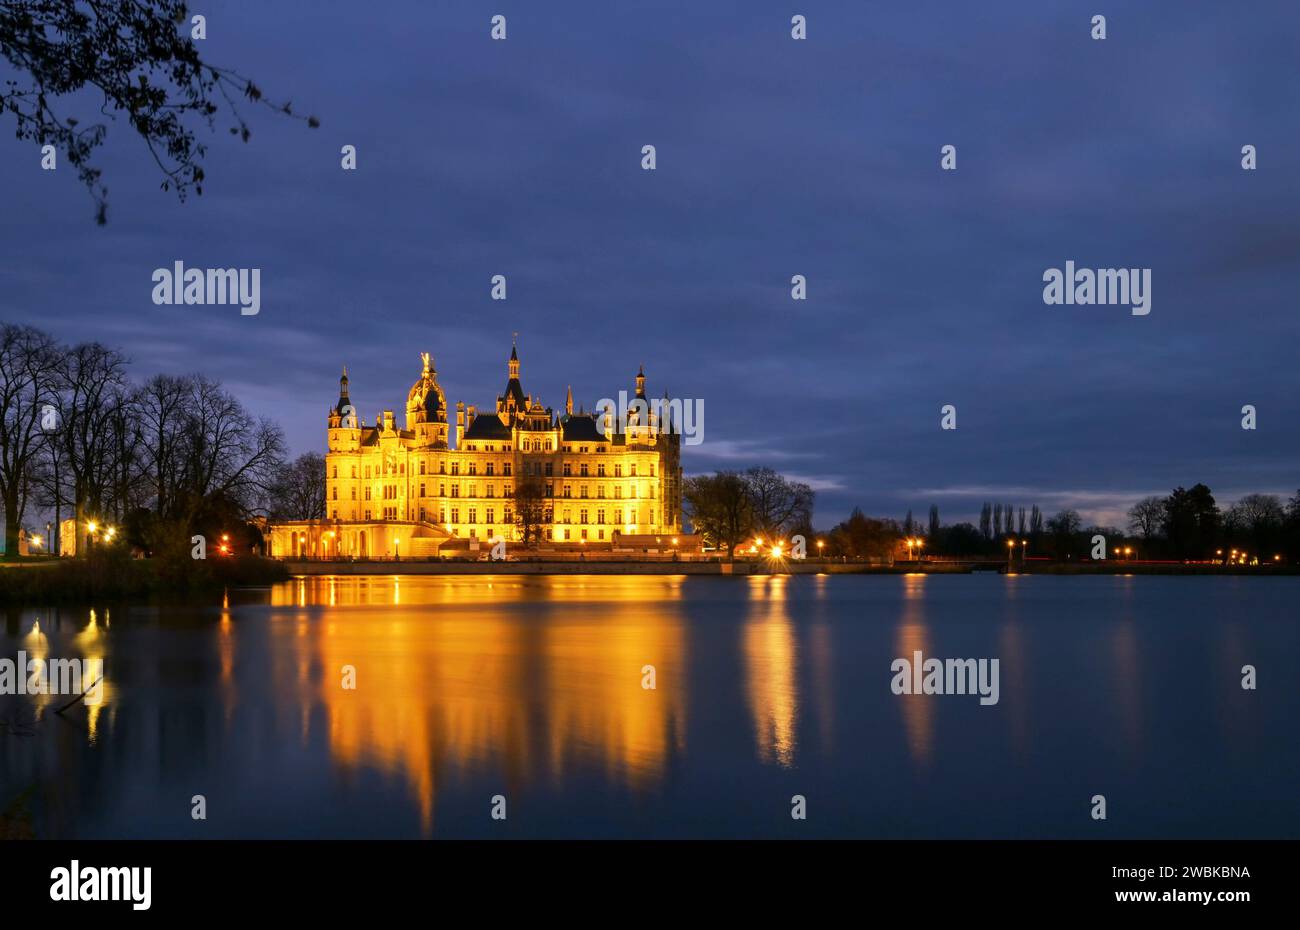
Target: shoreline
300,569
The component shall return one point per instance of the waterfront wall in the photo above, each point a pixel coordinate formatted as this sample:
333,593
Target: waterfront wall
593,567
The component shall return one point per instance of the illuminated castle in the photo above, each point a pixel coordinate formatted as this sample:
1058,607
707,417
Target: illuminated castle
597,479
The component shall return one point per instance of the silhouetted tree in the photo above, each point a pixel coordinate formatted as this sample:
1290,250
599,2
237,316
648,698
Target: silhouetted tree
776,503
719,508
1191,522
29,362
135,58
530,509
297,489
1145,517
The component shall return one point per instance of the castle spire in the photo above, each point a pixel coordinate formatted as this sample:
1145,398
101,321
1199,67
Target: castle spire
568,402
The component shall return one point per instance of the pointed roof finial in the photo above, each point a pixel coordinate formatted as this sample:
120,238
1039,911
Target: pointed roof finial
568,401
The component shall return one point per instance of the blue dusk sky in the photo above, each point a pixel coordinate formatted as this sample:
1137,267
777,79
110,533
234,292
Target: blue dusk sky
775,158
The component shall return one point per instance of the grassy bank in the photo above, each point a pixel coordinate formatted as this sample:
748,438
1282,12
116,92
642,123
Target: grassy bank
111,575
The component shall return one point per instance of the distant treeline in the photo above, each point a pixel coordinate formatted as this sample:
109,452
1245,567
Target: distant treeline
1185,524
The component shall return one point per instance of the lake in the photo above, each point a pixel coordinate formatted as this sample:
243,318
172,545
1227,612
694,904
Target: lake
533,690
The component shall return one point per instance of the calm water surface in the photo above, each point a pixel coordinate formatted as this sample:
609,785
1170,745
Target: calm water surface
767,687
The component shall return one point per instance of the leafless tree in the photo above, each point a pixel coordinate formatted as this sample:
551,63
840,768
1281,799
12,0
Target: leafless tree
29,364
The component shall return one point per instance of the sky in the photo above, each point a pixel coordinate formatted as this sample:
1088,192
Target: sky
775,158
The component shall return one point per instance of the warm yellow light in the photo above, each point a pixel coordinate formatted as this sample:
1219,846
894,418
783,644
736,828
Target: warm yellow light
36,540
674,540
776,551
1011,542
92,526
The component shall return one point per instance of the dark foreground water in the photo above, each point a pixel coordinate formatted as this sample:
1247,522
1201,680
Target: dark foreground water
531,689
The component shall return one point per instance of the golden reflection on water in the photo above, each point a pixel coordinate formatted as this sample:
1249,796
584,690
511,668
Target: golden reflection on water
911,637
465,678
771,675
87,645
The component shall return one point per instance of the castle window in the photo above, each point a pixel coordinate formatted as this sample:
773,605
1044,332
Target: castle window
584,450
367,471
584,534
455,515
652,469
455,490
582,491
491,469
442,468
548,532
473,517
508,515
602,534
568,490
354,493
550,469
632,472
489,491
421,514
473,468
618,491
600,470
455,468
568,470
505,468
336,494
618,516
442,489
600,491
422,489
473,489
490,514
618,471
367,492
354,471
568,516
583,470
367,513
567,535
506,492
600,516
336,471
422,464
550,489
582,516
548,449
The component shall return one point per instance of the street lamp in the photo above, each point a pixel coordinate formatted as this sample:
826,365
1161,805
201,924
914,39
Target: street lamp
1011,551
